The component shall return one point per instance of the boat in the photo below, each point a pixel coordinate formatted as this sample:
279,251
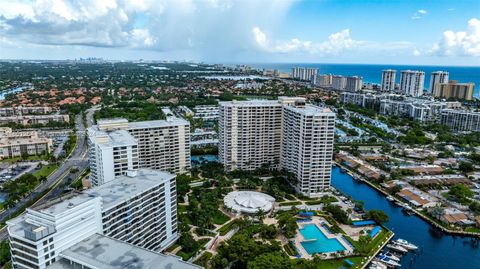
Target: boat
397,248
377,265
407,209
398,203
388,261
391,256
390,198
404,243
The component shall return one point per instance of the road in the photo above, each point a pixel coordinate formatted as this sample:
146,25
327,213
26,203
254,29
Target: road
77,159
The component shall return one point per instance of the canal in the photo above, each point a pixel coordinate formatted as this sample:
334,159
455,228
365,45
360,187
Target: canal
4,93
437,249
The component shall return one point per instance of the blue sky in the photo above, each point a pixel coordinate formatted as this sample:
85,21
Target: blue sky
391,31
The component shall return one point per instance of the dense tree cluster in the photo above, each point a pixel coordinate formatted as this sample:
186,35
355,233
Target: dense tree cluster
338,214
377,215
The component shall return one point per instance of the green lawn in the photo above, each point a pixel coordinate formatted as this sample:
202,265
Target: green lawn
203,260
472,229
290,203
219,218
172,247
227,227
182,209
374,244
185,256
46,170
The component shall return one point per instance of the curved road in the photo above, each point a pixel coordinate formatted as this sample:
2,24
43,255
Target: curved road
77,159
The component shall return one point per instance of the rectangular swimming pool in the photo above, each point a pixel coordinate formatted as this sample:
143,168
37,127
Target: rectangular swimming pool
321,244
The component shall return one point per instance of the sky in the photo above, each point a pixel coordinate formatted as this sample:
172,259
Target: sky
428,32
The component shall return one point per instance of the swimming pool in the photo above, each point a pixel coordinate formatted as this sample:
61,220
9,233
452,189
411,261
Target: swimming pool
322,244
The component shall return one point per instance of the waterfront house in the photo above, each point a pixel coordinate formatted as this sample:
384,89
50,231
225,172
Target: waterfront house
417,198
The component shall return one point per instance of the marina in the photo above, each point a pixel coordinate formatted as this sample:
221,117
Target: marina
432,243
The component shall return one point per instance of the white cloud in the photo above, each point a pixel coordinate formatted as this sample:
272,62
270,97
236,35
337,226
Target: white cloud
416,52
462,43
210,26
336,44
419,14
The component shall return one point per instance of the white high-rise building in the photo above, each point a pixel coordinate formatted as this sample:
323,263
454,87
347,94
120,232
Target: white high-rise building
307,147
278,134
304,73
322,80
111,154
437,78
139,208
339,82
249,134
116,146
163,144
353,83
411,82
388,80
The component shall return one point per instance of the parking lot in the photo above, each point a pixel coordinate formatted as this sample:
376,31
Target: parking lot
14,171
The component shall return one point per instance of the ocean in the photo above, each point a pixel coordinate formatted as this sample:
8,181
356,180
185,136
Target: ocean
372,73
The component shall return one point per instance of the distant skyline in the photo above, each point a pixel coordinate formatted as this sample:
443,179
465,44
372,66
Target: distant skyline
393,32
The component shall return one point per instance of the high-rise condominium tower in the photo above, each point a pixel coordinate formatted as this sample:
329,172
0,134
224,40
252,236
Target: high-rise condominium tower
116,146
437,78
284,134
249,134
454,90
388,80
307,147
304,73
353,83
411,82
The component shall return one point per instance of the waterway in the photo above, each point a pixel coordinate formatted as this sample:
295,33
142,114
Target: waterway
4,93
437,249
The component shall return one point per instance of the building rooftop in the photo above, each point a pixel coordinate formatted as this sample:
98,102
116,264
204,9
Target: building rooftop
113,138
62,203
170,121
124,187
112,193
249,201
102,252
250,103
310,110
112,120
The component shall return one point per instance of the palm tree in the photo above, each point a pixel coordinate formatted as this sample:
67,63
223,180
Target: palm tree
259,214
